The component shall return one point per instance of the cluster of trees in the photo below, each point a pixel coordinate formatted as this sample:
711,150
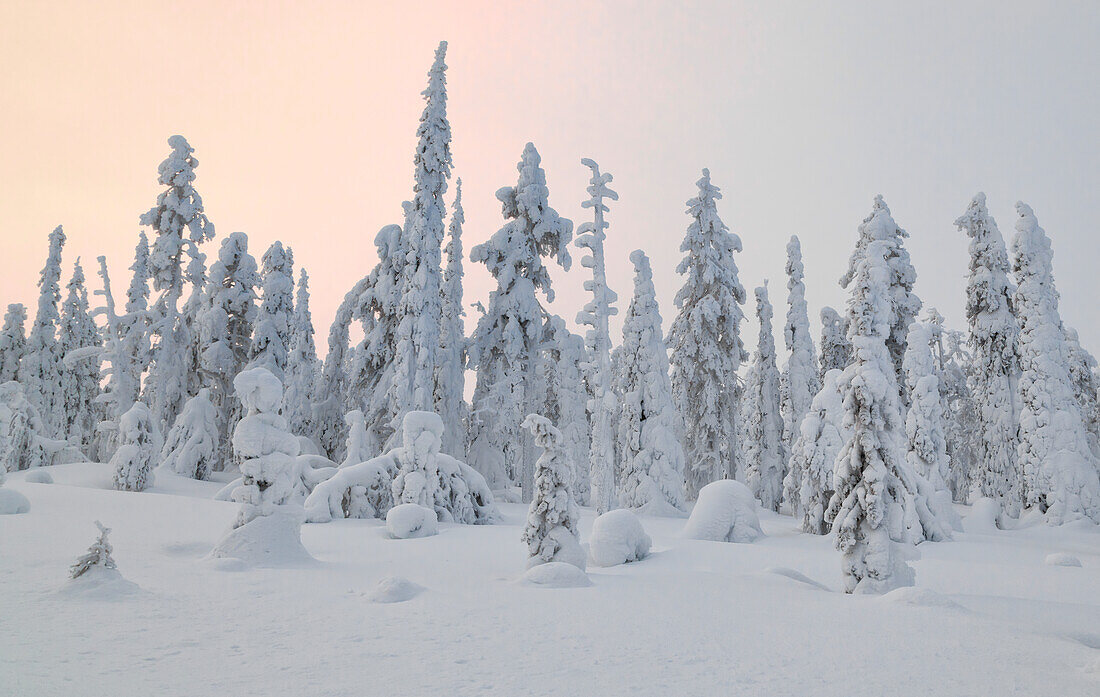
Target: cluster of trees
893,412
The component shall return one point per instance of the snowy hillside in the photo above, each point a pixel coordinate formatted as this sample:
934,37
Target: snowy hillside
991,613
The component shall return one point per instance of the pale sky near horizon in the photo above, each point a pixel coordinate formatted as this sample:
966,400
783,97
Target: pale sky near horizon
303,117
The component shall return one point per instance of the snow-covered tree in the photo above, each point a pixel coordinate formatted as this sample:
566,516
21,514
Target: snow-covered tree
595,315
97,556
191,448
419,332
507,340
180,224
880,225
417,479
13,342
271,338
705,342
764,450
649,427
1059,469
21,431
866,509
331,395
139,444
40,369
800,380
1082,372
80,376
303,370
996,366
226,329
551,533
567,398
450,381
263,445
924,422
836,350
808,485
962,429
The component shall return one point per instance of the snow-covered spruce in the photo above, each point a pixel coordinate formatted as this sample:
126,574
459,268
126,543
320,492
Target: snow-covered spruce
954,362
808,485
595,315
450,380
705,341
506,342
303,369
995,373
649,428
21,431
800,380
332,390
40,369
1086,386
725,512
617,538
905,305
226,328
1059,469
867,510
368,489
924,422
551,533
417,347
567,398
191,447
263,445
271,339
13,343
836,350
181,225
80,377
98,555
139,444
765,454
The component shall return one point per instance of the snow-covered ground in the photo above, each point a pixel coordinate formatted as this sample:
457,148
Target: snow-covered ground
990,614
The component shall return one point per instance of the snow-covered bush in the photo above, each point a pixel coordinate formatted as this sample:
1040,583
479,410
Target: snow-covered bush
21,431
556,574
11,502
617,538
551,532
357,448
725,512
38,476
263,445
191,448
98,555
417,478
13,343
808,485
139,444
409,520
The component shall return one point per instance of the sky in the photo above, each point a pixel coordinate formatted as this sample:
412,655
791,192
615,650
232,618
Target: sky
303,118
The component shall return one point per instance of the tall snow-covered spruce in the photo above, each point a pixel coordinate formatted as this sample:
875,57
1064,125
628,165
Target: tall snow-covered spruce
1059,469
420,308
450,382
567,398
924,422
765,452
507,340
303,369
800,380
995,375
595,315
808,486
80,376
40,369
649,426
705,342
180,224
271,339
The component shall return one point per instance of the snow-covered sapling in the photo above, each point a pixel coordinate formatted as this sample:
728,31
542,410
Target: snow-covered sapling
191,448
98,555
139,443
808,485
551,532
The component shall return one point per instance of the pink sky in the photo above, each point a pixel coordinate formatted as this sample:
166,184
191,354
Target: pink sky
303,118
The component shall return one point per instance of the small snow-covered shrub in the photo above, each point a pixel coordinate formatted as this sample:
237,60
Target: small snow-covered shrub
21,429
725,512
411,520
191,448
38,476
617,538
551,531
98,555
139,441
556,574
264,446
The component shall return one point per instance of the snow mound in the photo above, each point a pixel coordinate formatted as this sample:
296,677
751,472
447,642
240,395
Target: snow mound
12,502
271,540
410,520
259,389
617,538
725,512
1062,559
394,589
38,476
99,583
983,516
795,576
556,574
919,597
